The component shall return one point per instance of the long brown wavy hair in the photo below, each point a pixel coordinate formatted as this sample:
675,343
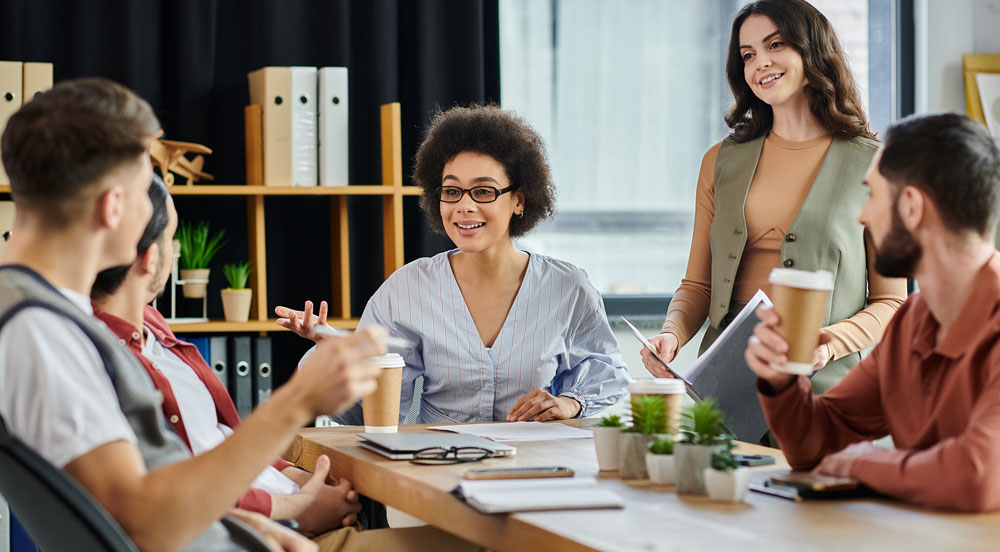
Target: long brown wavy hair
833,95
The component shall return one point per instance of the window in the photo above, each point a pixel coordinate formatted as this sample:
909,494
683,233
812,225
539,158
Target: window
628,96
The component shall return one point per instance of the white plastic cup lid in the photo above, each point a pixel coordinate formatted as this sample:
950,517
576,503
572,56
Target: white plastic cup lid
657,386
820,280
388,360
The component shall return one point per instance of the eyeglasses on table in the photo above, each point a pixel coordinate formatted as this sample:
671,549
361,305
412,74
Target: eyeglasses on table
436,456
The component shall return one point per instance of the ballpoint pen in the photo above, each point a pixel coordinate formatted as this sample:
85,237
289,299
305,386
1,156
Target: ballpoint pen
388,341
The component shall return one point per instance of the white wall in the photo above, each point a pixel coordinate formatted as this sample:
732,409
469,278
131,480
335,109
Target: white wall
944,30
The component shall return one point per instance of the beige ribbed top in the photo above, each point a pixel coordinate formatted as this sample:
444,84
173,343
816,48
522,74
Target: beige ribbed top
784,175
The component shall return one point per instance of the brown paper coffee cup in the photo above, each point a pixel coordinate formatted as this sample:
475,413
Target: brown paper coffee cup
672,391
800,299
381,408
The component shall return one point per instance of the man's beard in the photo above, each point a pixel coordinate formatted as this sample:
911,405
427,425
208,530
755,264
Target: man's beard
161,276
899,253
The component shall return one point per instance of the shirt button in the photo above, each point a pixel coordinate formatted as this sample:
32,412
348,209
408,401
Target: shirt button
790,237
157,366
159,396
121,342
174,419
789,263
135,335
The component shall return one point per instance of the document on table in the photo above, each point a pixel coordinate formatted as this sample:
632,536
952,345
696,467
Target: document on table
564,493
520,431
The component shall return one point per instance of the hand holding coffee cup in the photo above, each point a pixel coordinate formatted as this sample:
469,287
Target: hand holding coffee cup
800,299
767,350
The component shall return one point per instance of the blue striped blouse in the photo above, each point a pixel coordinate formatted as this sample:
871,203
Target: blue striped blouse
556,336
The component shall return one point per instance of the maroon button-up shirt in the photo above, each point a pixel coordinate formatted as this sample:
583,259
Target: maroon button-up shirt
939,400
255,500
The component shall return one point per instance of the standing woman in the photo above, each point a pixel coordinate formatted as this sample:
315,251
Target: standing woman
501,334
785,190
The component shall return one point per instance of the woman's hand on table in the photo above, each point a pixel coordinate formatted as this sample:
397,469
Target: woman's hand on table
540,406
666,346
302,322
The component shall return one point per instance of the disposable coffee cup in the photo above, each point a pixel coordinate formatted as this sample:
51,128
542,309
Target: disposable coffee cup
381,408
672,391
800,299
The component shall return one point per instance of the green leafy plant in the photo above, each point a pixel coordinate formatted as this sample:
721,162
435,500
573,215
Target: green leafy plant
723,459
611,421
237,274
702,424
197,249
664,445
649,415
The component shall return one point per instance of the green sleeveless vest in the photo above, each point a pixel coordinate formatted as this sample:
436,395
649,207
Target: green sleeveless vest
824,236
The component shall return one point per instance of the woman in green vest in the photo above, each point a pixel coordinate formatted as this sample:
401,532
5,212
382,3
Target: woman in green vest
784,190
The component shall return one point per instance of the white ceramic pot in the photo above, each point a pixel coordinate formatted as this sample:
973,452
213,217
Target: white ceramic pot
689,465
606,443
236,304
660,468
726,486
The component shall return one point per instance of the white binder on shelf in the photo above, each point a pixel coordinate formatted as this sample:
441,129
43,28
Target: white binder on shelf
304,126
333,127
11,88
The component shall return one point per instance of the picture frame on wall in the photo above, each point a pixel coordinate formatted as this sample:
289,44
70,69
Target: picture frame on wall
982,89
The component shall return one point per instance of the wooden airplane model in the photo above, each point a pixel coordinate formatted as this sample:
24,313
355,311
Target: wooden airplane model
168,155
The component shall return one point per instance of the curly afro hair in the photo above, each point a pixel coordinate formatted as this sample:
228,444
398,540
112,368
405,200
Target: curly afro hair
487,130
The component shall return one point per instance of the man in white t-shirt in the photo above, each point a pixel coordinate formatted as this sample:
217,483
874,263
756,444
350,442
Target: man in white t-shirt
195,402
77,157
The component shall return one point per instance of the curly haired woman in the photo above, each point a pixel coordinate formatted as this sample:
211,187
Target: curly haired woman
785,190
501,334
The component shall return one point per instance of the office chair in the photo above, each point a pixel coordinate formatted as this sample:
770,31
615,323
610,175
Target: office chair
54,509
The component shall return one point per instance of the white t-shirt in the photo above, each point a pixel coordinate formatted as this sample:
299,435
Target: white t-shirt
198,410
54,392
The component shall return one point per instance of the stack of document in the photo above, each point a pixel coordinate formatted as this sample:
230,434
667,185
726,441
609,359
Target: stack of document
520,431
562,493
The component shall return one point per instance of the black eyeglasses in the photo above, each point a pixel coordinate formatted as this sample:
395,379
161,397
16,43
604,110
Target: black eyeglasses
436,456
479,194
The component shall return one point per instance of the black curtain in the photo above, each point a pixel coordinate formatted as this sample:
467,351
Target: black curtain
190,58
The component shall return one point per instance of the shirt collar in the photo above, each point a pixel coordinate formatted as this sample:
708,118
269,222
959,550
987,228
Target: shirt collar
125,331
975,314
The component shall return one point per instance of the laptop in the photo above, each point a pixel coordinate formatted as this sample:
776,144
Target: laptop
402,446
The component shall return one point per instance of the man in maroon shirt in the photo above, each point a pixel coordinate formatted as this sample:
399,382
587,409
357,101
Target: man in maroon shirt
933,383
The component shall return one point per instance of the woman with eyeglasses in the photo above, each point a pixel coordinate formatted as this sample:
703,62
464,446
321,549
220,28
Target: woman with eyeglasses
785,190
502,334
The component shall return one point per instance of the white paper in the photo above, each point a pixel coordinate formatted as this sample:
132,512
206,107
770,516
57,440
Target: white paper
989,97
520,431
560,493
759,298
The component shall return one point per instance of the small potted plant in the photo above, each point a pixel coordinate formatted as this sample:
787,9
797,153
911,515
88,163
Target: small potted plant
725,479
660,461
197,251
702,433
236,298
649,422
606,438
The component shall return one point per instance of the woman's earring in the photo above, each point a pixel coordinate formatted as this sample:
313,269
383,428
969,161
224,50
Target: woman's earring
520,215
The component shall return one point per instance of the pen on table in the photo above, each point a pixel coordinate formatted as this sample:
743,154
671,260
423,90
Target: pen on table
388,341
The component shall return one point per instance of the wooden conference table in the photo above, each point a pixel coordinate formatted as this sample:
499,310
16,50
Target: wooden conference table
654,518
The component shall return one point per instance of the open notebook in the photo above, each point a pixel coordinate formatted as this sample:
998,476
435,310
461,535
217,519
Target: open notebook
564,493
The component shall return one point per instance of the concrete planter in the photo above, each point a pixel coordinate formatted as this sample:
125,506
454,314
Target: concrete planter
690,463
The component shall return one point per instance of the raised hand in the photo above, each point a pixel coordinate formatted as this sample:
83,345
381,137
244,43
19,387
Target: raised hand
302,322
666,346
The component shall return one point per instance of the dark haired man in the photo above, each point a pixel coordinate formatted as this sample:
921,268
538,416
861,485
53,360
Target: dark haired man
933,383
78,160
